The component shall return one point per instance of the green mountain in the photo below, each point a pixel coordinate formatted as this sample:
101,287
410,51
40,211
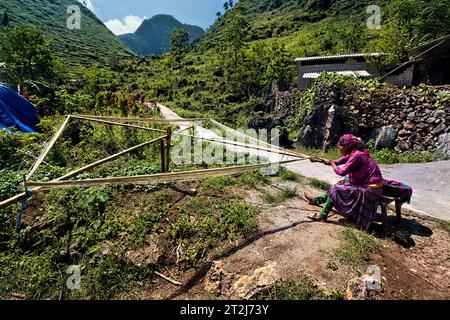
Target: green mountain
153,36
311,27
92,41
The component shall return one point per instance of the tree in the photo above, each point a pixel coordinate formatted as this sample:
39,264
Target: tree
27,55
5,21
435,20
278,69
230,4
235,34
180,44
226,6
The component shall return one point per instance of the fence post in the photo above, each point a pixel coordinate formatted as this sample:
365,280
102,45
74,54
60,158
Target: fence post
163,155
168,148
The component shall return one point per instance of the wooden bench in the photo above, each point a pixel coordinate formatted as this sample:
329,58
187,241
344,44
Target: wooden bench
383,202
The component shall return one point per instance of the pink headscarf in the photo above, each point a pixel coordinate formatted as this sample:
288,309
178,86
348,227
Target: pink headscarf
350,142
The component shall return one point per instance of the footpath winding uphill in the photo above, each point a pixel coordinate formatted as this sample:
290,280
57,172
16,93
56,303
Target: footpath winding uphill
430,181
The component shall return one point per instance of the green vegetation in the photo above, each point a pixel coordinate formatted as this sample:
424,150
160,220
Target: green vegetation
319,184
253,179
279,197
179,44
229,75
217,184
305,288
355,249
389,156
27,55
287,175
90,43
383,156
445,225
104,230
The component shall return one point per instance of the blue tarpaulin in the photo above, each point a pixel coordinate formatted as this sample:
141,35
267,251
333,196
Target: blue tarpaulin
16,111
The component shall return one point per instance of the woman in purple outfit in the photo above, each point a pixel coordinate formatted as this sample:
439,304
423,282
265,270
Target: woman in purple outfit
354,199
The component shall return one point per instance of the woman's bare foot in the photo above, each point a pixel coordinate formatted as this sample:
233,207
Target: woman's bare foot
311,200
317,217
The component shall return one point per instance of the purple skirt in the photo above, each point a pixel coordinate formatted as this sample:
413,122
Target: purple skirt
356,203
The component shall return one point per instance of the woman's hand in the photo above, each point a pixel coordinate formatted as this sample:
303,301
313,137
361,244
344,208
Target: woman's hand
333,164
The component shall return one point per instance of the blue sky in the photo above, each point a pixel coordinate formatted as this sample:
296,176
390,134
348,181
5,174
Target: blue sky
123,16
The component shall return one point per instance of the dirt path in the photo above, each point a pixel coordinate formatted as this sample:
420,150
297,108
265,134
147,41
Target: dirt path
288,245
430,181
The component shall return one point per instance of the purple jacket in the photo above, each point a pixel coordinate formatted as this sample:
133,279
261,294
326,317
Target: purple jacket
361,169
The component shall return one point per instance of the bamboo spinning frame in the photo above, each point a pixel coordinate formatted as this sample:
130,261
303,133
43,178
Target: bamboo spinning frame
165,147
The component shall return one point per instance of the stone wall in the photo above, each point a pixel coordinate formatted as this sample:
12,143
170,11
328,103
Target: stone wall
415,119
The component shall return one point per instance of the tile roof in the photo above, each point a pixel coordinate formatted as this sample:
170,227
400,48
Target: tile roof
342,56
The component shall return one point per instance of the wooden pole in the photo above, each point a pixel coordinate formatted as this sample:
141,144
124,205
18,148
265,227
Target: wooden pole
47,149
161,177
168,147
117,123
163,156
150,120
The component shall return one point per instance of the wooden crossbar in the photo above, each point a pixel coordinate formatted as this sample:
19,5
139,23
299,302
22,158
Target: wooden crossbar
163,177
118,124
144,119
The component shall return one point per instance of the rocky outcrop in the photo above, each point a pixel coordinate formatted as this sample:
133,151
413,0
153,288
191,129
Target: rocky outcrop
417,119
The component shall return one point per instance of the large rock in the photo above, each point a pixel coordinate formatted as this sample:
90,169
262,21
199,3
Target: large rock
386,138
323,128
248,286
364,288
444,145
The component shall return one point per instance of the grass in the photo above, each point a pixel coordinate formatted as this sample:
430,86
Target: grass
355,249
323,185
287,175
279,197
252,179
88,44
305,288
217,184
384,156
445,225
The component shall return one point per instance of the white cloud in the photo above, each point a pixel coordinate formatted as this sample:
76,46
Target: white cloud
128,24
88,4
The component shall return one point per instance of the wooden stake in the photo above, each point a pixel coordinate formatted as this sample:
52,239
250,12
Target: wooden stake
168,147
163,156
168,279
47,149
